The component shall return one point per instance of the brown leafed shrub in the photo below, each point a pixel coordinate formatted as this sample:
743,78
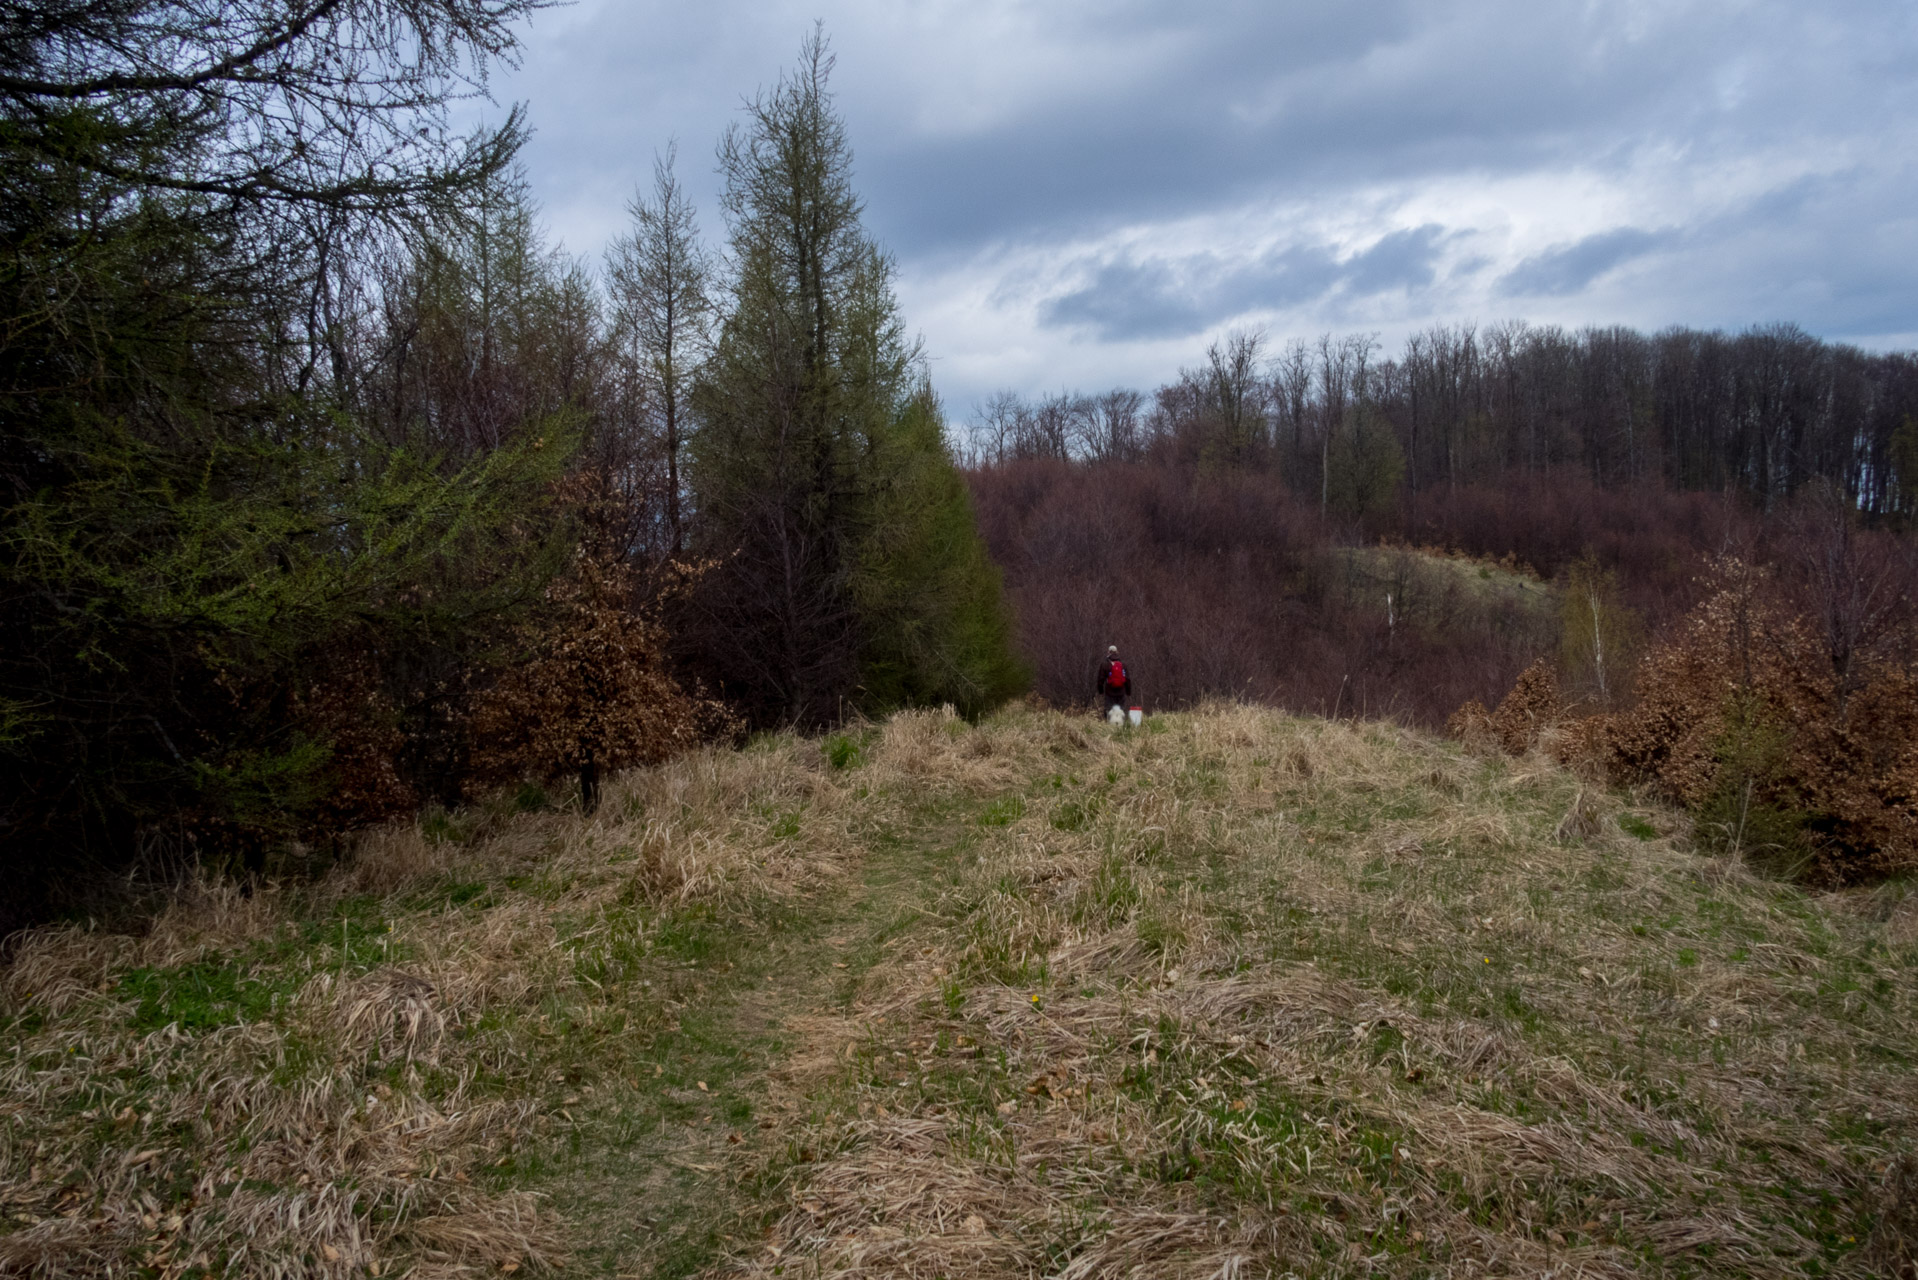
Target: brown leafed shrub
1780,742
1582,743
348,709
1522,717
596,694
1472,725
1528,709
1745,717
1685,688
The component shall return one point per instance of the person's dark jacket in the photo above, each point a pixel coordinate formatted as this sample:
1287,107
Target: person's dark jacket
1103,690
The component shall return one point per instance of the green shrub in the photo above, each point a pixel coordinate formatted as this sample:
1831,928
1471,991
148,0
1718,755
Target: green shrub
843,751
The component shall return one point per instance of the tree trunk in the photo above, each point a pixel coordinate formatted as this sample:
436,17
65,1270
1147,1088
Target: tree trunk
589,786
672,468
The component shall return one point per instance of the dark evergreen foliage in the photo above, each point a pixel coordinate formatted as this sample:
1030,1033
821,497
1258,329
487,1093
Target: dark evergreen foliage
935,621
193,530
824,486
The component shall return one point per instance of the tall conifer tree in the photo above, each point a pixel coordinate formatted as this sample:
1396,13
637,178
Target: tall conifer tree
195,527
937,629
812,425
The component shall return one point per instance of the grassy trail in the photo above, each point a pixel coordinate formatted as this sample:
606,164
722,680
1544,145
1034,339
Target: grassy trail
658,1174
1236,995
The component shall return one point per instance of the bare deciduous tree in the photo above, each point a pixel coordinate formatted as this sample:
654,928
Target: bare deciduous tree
660,280
1856,590
1342,373
1114,426
1234,394
1292,391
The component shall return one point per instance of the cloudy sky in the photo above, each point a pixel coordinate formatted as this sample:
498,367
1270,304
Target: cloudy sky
1082,195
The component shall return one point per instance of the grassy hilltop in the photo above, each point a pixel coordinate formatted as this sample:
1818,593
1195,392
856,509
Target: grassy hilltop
1233,995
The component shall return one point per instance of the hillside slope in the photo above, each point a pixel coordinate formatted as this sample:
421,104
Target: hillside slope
1236,994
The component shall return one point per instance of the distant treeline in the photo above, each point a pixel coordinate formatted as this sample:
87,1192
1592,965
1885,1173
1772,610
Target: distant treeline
1765,412
1209,521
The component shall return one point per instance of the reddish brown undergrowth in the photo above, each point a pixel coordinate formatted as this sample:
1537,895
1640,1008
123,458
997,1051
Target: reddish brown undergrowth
1782,711
1232,583
596,694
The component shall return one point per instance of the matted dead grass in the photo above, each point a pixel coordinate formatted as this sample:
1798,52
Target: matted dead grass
324,1081
1255,996
1233,995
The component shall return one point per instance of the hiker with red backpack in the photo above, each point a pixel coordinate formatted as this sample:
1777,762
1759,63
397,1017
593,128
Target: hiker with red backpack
1115,682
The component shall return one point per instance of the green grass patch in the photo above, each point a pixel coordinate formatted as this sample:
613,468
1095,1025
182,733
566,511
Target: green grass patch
1634,825
205,995
1003,812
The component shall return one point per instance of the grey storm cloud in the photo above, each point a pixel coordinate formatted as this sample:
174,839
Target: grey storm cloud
1155,108
1134,300
1169,299
1401,260
1567,270
1161,298
994,134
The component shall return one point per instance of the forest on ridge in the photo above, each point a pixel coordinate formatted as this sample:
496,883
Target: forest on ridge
334,492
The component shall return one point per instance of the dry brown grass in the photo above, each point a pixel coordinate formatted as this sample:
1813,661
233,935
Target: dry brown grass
1258,996
347,1123
1235,995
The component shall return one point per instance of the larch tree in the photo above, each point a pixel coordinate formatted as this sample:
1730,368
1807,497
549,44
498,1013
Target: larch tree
192,519
808,432
660,279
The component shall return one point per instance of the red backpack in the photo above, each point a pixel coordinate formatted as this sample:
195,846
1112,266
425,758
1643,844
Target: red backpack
1115,675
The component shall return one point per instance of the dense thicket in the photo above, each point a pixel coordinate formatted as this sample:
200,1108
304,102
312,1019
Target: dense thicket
330,490
194,533
1227,583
